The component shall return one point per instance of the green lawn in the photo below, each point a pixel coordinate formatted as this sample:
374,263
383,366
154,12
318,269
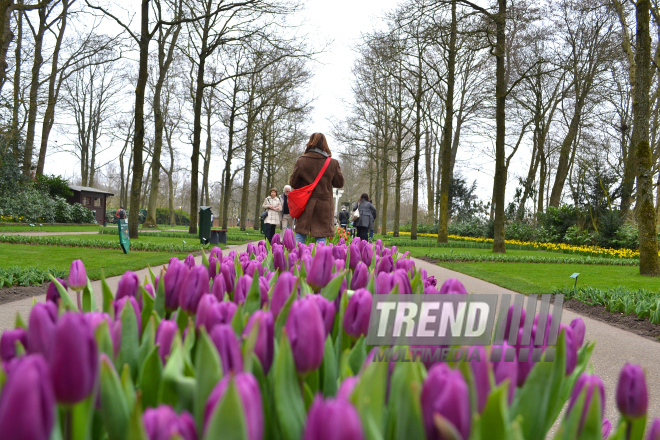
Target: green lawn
545,278
49,228
113,262
423,251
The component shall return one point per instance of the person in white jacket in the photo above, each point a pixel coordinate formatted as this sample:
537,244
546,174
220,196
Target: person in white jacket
273,208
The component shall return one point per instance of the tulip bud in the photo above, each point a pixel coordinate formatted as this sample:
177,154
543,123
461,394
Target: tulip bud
405,264
354,254
654,432
213,266
306,333
293,259
52,294
229,274
579,329
219,287
27,402
594,387
400,277
8,343
281,292
276,240
358,311
571,347
165,335
333,419
431,290
119,307
320,272
128,286
216,252
264,347
503,370
367,254
77,276
346,388
339,252
631,392
360,278
279,262
480,370
384,283
252,267
194,286
445,392
327,310
250,395
264,287
174,278
289,240
606,428
189,261
41,327
225,341
386,264
163,423
75,359
242,289
453,286
510,326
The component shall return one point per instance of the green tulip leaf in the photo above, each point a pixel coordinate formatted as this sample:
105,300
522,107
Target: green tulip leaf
66,299
159,302
104,339
108,297
205,259
136,429
149,379
115,410
357,355
329,369
148,338
227,421
253,298
147,306
369,398
495,416
128,352
177,389
81,418
289,403
405,399
209,372
331,290
280,321
88,300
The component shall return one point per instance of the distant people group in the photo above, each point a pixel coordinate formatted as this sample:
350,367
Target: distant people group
314,176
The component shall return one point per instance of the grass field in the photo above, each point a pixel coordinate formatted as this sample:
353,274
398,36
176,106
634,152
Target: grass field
150,238
423,251
113,262
49,228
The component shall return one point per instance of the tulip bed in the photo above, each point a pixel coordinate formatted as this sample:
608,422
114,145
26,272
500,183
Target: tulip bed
136,245
503,258
270,344
26,276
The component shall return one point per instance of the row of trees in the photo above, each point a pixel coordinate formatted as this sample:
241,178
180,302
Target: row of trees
565,84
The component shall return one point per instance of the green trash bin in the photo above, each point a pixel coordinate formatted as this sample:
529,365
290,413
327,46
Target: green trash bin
262,226
205,221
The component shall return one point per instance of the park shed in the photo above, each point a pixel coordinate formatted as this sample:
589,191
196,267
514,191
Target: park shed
92,199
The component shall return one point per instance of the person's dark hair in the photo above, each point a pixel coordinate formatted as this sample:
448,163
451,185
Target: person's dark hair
273,189
121,207
365,197
317,140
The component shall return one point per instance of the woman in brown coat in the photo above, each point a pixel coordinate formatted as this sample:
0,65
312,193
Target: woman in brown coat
319,214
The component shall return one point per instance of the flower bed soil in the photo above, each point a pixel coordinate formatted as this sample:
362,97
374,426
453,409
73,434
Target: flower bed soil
14,293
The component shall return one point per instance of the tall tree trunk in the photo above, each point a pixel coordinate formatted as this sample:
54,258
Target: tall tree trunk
543,172
397,188
257,207
17,78
247,171
207,158
34,88
138,142
386,188
418,141
230,151
648,240
430,178
447,131
499,184
49,114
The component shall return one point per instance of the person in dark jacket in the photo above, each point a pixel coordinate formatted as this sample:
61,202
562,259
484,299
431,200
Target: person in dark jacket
343,217
318,217
367,216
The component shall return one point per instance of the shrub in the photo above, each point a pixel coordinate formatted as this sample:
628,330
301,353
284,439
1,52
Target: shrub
55,186
469,228
521,231
558,220
627,237
576,236
609,224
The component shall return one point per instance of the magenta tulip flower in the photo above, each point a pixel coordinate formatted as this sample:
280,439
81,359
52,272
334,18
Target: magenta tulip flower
400,277
174,277
229,274
503,370
219,287
248,390
579,330
606,428
264,347
8,343
163,423
445,392
384,283
354,255
128,286
242,289
225,341
333,419
360,278
281,292
320,272
189,261
481,371
631,392
453,286
367,254
306,332
386,264
594,387
165,335
119,307
52,294
654,431
77,276
289,240
279,262
327,309
41,328
194,286
358,311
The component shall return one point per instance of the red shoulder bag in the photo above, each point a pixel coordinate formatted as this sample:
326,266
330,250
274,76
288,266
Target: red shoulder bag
298,198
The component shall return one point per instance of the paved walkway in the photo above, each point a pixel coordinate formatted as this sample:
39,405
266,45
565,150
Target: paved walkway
46,233
614,346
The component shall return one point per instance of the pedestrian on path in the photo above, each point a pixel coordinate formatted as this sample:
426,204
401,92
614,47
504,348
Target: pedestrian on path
273,208
318,217
343,217
367,216
287,220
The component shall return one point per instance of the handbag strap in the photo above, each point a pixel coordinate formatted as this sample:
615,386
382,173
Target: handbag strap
318,178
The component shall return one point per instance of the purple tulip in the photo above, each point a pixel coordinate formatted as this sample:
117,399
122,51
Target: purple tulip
189,261
150,290
320,272
229,274
445,392
453,286
242,289
165,335
384,283
8,342
248,390
360,278
219,287
163,423
77,276
41,327
515,326
431,290
354,255
481,371
213,266
276,240
332,419
279,262
430,281
306,332
339,252
405,264
594,387
75,359
579,329
204,310
503,370
346,388
327,310
654,432
194,286
264,287
252,267
225,341
94,319
367,254
358,311
631,392
293,259
119,307
289,241
605,428
281,292
128,286
27,402
400,277
264,347
52,294
571,347
174,278
216,252
386,264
